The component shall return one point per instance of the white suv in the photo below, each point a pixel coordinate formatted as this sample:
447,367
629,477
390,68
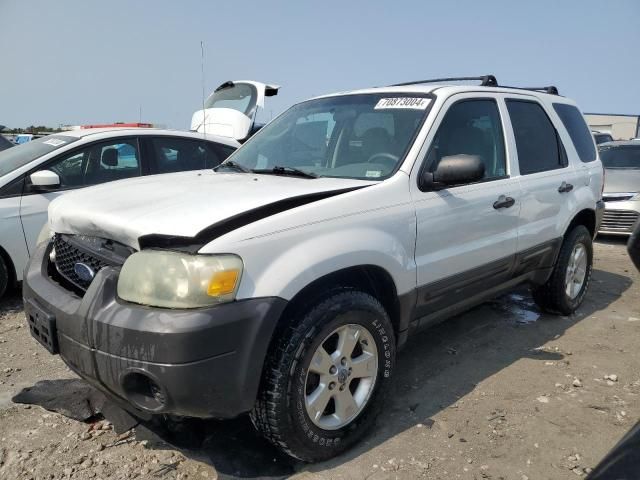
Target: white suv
284,282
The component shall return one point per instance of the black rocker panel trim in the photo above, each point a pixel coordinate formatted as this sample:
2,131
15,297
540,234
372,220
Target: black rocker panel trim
468,288
193,244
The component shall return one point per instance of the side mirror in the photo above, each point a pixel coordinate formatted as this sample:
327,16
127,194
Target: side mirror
44,180
453,170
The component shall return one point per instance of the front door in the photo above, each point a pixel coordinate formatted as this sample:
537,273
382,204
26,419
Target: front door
466,234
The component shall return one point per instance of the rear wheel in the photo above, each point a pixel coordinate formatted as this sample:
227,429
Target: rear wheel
325,378
4,277
565,290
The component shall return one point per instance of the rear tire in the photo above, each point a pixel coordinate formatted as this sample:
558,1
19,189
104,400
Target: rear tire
565,290
4,277
316,401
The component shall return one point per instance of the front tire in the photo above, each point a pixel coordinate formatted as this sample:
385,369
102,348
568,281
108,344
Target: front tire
326,375
566,288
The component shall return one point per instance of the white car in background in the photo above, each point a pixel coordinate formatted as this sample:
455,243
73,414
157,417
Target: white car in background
33,174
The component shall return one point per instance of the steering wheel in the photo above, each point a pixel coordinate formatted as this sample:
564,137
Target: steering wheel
384,158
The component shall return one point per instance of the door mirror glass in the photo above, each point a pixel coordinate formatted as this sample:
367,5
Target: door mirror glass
454,170
45,180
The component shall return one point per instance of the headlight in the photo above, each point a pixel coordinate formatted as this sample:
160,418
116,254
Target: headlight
179,280
45,235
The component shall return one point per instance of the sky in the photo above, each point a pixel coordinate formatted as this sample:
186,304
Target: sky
83,61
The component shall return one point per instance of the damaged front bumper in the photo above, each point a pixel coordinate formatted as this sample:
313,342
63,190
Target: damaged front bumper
199,363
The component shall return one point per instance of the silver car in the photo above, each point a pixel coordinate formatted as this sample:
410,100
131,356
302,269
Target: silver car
621,161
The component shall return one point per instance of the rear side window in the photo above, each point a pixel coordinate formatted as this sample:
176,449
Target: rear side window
580,135
537,141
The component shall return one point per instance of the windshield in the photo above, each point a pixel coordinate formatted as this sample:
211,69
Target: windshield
20,155
621,157
237,96
603,137
352,136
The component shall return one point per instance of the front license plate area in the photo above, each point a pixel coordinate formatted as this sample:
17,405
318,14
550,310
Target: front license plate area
42,326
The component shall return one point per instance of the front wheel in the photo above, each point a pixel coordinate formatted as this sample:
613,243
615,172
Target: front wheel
565,290
324,379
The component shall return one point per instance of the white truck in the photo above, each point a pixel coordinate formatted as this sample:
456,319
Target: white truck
283,282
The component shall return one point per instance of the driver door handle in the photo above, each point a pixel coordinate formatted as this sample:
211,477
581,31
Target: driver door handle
565,187
503,202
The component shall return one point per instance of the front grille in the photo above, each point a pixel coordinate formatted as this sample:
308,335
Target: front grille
619,221
78,258
617,197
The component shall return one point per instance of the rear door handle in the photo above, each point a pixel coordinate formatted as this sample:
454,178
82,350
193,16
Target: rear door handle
565,187
503,202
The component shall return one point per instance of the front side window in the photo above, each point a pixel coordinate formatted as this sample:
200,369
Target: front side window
537,141
471,127
352,136
624,156
98,163
580,135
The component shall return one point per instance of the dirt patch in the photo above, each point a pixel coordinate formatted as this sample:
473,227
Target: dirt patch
502,391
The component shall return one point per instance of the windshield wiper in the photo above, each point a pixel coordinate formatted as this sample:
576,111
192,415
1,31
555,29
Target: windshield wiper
294,172
236,166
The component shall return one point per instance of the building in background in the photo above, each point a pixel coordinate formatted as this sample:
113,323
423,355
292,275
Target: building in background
621,127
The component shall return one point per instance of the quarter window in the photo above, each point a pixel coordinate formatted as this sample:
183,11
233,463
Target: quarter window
580,135
471,127
537,142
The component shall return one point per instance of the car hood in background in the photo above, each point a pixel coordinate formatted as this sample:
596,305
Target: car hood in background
619,180
179,204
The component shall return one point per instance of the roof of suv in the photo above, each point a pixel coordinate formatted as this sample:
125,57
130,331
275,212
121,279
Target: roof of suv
450,88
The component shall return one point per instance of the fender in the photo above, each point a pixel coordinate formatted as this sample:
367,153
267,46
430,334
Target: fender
291,269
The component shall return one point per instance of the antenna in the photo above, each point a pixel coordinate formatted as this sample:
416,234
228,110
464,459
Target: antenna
204,129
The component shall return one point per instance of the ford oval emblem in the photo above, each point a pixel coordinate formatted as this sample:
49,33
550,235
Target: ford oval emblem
84,272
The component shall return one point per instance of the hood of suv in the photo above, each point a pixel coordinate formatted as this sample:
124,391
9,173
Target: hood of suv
618,180
180,204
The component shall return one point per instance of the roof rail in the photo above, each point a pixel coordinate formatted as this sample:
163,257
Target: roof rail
485,81
551,89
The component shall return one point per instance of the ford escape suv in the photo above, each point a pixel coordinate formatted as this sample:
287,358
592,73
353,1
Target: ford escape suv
283,282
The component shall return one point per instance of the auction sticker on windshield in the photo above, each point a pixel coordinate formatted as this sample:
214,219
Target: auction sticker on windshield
415,103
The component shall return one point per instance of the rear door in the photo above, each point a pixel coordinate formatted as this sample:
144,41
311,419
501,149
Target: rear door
466,234
547,180
91,164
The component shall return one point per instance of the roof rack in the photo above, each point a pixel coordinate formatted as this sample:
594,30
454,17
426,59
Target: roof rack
551,89
485,81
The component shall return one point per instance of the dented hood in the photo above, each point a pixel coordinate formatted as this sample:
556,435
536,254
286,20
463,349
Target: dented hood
178,204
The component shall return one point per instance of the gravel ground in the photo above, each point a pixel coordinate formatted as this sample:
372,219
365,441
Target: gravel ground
499,392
